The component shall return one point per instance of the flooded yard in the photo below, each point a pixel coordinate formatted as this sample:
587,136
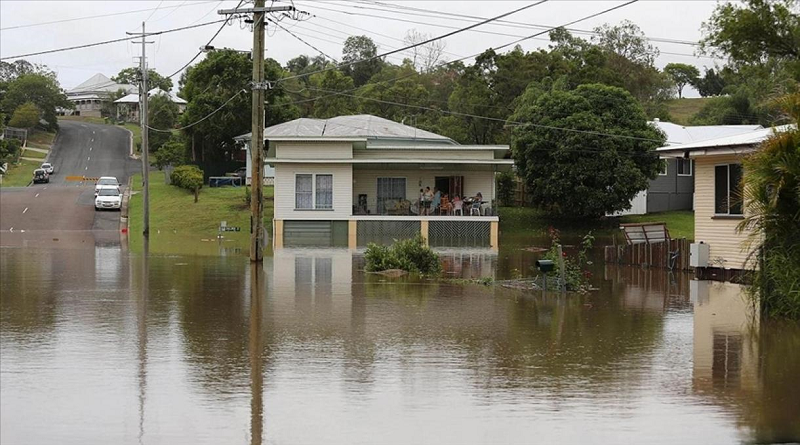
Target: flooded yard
101,344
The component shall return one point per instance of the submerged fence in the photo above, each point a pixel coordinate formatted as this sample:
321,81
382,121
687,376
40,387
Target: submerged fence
671,254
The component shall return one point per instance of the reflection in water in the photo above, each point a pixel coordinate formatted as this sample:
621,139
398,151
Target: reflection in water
185,349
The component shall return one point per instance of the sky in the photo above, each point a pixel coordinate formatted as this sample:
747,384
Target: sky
25,28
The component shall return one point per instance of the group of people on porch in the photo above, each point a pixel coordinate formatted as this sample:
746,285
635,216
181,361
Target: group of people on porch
437,203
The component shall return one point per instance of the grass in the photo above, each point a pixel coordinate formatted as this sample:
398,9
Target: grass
534,221
89,119
681,110
19,175
173,209
34,154
41,139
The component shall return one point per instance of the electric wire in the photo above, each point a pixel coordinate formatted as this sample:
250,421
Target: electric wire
201,119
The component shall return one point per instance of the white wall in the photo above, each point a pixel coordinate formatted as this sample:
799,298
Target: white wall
638,206
314,150
342,191
423,154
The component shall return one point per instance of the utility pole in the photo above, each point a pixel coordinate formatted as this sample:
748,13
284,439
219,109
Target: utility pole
258,119
143,123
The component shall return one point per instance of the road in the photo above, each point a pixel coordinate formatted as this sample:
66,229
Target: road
80,149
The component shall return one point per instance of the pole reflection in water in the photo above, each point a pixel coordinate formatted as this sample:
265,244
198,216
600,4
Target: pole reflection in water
257,283
141,321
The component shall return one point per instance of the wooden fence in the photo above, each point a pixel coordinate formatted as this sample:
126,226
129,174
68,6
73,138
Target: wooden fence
672,254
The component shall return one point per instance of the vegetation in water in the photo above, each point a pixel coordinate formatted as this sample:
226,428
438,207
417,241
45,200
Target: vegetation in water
771,192
411,255
576,276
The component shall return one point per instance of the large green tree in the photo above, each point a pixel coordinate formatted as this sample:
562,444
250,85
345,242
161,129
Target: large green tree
25,116
711,84
210,87
41,90
154,80
584,152
162,115
330,104
682,74
361,48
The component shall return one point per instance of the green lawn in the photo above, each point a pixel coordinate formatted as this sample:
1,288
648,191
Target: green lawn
679,223
89,119
174,209
20,175
533,221
41,139
681,110
34,154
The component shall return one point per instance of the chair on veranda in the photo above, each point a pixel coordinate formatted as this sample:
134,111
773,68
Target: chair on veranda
458,207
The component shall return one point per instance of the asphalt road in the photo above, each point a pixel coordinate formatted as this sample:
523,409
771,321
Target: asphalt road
80,149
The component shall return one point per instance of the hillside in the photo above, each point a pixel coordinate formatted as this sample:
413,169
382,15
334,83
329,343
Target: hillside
681,110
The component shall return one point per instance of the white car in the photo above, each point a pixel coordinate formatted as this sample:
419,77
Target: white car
48,167
105,181
108,198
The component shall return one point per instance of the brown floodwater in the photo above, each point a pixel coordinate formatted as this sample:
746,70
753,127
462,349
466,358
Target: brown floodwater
99,344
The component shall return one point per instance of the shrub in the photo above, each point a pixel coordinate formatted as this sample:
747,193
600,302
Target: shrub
9,150
188,177
411,255
506,182
171,153
25,116
575,274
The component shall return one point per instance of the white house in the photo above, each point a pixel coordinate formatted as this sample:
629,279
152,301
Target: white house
128,106
89,96
351,180
718,204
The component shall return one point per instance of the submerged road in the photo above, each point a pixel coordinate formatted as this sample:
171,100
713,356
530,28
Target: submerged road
80,149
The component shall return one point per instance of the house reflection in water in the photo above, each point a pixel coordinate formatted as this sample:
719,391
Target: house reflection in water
725,338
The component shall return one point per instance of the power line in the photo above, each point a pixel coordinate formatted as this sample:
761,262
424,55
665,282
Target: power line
301,40
106,42
201,119
224,22
31,25
342,65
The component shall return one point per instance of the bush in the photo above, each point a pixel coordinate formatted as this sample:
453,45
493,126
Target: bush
25,116
188,177
9,150
411,255
575,274
506,182
171,153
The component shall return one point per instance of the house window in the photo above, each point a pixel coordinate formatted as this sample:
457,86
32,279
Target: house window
390,191
663,171
684,167
727,180
313,191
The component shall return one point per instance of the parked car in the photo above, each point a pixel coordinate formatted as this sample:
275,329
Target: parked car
105,181
48,167
108,197
40,175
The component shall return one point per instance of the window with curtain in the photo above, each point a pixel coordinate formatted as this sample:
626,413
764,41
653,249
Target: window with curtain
303,192
390,191
324,192
727,181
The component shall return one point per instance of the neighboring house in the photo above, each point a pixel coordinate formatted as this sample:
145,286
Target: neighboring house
90,96
128,106
673,188
718,207
350,180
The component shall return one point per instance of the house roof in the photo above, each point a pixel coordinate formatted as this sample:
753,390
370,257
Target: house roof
99,82
134,97
682,134
749,139
361,126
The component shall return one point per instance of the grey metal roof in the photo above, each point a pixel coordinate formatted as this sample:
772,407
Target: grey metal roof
356,126
750,138
134,97
98,83
683,134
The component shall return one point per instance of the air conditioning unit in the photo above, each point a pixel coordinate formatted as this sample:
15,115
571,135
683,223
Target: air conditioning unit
698,254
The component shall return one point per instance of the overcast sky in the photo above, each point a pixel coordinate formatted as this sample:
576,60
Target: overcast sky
386,22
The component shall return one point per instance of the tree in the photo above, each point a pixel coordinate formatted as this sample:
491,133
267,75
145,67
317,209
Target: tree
427,56
25,116
188,177
9,150
711,84
754,32
331,104
360,48
154,80
173,153
627,40
682,74
41,90
771,196
162,114
109,109
567,153
216,84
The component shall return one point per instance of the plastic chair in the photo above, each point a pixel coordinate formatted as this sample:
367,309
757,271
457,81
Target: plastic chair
458,208
475,209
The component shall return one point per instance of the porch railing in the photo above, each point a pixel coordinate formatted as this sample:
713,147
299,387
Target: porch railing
409,208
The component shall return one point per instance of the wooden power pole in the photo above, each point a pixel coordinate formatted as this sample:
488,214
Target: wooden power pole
258,120
143,123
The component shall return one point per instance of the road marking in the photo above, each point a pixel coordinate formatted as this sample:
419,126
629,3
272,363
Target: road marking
90,158
92,131
37,195
11,229
90,148
86,168
44,188
26,209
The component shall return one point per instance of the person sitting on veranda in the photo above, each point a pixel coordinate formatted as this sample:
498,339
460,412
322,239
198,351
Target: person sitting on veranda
446,206
476,203
458,205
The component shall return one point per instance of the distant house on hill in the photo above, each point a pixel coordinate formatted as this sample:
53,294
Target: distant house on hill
128,106
90,96
673,189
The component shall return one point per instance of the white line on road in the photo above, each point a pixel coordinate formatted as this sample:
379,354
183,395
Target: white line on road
86,168
90,148
37,195
90,158
92,131
26,209
11,229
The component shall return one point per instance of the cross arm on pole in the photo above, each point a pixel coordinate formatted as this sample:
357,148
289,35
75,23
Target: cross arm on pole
256,9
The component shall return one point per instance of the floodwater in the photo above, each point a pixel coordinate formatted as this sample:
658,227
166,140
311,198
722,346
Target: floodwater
99,344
